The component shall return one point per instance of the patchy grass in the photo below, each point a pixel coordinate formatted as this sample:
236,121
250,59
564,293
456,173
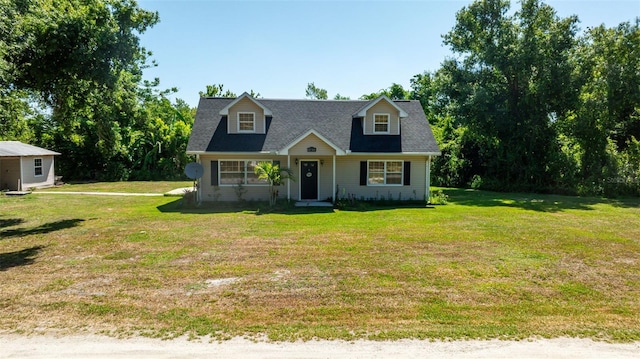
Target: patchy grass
486,265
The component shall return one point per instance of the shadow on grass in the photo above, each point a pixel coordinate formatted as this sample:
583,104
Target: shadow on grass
10,222
249,207
45,228
384,206
19,258
261,208
532,201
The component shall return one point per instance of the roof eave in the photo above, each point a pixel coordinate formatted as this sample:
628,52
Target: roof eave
225,110
363,111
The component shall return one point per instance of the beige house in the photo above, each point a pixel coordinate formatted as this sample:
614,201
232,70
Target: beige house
24,166
379,149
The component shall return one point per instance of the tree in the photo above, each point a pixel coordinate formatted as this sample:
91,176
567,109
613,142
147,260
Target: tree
605,124
217,90
340,97
393,92
83,60
274,175
513,81
316,93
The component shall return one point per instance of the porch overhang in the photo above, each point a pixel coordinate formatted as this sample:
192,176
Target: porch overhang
286,150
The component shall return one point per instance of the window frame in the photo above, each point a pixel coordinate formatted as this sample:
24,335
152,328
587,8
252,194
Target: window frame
387,123
385,173
247,176
253,114
37,167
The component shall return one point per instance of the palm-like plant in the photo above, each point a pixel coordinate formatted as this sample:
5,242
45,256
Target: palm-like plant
274,175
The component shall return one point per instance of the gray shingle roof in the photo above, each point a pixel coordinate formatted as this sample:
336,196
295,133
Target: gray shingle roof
16,149
293,118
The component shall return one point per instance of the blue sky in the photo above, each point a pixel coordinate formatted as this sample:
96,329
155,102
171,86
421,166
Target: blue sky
346,47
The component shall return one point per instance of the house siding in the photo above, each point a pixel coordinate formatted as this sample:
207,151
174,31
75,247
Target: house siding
29,179
246,105
349,180
380,108
223,193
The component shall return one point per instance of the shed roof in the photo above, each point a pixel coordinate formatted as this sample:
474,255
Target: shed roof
19,149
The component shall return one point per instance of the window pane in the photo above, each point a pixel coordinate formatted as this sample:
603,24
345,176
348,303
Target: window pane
381,123
394,178
376,166
252,177
246,122
394,172
395,166
376,172
231,172
231,166
231,178
37,166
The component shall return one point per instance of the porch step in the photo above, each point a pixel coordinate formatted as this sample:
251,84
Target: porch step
16,193
313,204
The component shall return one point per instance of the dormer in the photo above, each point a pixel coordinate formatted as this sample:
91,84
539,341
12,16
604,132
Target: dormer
246,115
381,117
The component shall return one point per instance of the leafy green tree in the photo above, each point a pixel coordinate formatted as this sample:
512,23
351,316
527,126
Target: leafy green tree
394,92
84,61
605,123
217,90
274,175
15,114
340,97
314,92
512,82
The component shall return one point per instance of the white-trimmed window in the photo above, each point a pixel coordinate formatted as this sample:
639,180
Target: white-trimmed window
381,123
382,173
246,122
37,167
234,172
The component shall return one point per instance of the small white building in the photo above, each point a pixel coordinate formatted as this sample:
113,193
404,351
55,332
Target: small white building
24,166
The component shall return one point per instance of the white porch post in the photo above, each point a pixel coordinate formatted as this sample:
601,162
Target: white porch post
199,182
21,174
427,190
333,189
288,182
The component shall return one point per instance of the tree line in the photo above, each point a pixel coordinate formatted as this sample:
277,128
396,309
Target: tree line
71,80
528,102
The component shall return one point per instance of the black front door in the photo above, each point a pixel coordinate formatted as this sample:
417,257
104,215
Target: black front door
309,180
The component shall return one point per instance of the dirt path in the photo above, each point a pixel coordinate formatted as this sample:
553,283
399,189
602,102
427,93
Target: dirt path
92,346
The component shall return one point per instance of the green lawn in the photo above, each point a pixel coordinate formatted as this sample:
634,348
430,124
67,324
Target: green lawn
123,187
486,265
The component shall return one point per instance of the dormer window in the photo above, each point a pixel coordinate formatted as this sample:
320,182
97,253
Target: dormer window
381,123
246,122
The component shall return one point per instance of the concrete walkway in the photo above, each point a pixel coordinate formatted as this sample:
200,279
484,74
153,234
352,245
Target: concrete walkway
173,192
102,193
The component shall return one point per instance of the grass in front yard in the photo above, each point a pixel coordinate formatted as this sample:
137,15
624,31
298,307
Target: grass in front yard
124,187
487,265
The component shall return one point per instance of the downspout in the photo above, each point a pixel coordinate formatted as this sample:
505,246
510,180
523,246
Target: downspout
21,176
289,182
428,179
198,183
333,190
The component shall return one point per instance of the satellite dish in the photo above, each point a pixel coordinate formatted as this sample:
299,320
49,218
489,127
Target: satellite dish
193,170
